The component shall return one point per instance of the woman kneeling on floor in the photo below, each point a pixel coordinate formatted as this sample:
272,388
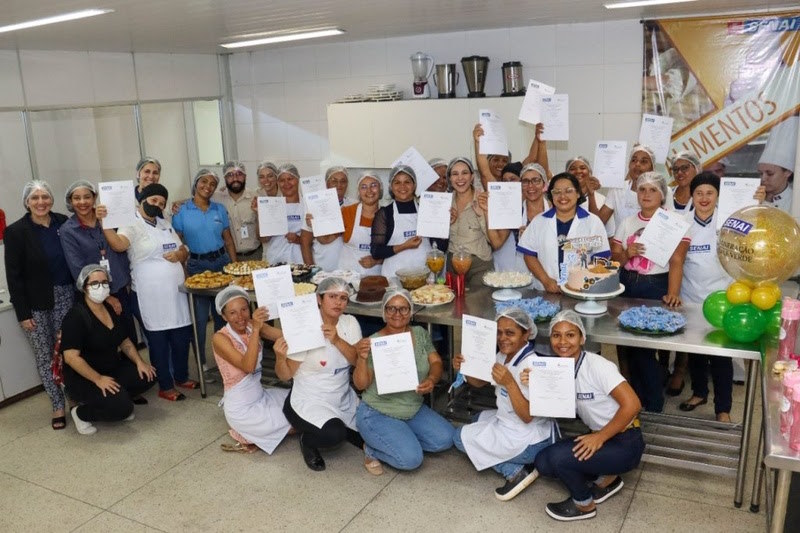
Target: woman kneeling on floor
322,404
589,465
507,438
254,414
96,376
397,427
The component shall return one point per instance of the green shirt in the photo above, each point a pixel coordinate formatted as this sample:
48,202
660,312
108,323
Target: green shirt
402,405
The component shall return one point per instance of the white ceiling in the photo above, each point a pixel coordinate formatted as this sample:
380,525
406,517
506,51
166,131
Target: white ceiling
200,25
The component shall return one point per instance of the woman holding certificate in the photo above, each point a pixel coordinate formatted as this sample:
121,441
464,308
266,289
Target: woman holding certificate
267,179
397,427
547,241
322,405
148,170
590,465
467,218
254,414
357,220
621,202
325,250
685,166
579,167
394,236
286,248
643,278
507,438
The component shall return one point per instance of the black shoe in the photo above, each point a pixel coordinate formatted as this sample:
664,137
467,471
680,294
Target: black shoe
601,494
567,511
517,484
687,407
312,457
140,400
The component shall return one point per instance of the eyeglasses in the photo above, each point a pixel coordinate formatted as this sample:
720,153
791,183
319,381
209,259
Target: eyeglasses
532,181
562,192
98,284
394,310
236,174
682,168
365,186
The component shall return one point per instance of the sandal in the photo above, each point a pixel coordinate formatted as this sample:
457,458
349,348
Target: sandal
238,447
688,405
172,396
58,422
373,466
724,417
188,384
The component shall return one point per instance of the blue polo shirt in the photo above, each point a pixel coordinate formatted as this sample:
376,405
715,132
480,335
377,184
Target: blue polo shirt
201,230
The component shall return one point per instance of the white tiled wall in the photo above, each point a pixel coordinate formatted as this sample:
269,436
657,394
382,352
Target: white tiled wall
280,95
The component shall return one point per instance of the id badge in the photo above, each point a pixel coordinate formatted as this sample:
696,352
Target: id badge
105,264
243,232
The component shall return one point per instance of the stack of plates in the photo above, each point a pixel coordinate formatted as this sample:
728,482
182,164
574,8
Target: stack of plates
383,92
350,98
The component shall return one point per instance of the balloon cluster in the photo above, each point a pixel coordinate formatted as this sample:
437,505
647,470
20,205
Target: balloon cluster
745,312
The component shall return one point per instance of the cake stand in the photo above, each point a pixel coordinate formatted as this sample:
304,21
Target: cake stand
592,304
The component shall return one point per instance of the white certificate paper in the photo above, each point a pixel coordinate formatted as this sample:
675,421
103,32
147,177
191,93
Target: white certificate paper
273,285
426,176
433,214
505,205
734,194
478,346
551,387
494,139
610,163
327,215
311,184
555,117
531,110
272,216
301,323
656,132
662,235
120,200
394,363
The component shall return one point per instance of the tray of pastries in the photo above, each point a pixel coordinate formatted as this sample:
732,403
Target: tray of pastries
304,288
208,280
244,268
431,295
245,282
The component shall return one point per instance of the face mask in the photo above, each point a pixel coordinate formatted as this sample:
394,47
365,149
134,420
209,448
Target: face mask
152,210
99,294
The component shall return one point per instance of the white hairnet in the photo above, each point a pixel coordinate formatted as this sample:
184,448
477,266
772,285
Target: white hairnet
691,157
204,172
520,318
455,160
80,184
231,292
647,150
35,185
269,165
535,167
437,162
391,292
567,315
333,170
404,169
578,158
86,271
334,284
653,178
233,165
143,161
288,168
368,174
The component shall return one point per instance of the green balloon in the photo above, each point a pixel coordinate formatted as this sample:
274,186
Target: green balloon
715,306
744,322
773,317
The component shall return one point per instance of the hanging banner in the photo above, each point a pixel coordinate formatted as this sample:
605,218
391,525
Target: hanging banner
726,82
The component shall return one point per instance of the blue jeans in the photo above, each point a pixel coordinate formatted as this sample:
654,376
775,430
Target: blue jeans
645,372
508,469
400,443
721,376
621,453
169,350
203,305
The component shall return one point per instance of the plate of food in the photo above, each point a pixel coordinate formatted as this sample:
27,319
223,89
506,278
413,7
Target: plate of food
538,308
244,268
302,288
208,280
432,295
651,321
350,276
245,282
507,280
301,272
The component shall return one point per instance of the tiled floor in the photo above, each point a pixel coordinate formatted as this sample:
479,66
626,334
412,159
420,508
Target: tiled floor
165,471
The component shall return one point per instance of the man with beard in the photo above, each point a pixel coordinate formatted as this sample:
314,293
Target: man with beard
238,201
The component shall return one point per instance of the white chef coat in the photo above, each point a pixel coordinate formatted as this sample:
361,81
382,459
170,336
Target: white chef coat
499,434
405,227
541,241
155,279
280,250
321,390
702,271
358,247
595,378
782,201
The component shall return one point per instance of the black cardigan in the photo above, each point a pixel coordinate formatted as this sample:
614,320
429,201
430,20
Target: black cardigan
30,283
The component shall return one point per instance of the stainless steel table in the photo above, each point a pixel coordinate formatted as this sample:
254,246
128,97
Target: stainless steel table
683,441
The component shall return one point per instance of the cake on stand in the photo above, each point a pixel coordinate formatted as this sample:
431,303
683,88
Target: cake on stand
593,303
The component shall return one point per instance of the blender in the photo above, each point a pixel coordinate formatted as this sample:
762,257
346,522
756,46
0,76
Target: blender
421,66
475,68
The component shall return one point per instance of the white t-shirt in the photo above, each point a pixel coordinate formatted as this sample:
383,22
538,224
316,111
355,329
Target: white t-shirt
596,378
623,202
600,200
702,271
627,233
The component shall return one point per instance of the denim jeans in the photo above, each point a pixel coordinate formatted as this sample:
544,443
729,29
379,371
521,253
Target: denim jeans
508,469
721,376
400,443
645,372
621,453
205,304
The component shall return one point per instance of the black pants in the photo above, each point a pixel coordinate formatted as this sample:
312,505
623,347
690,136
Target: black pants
111,407
332,433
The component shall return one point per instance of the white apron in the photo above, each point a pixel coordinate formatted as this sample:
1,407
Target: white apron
357,247
500,435
405,227
157,280
280,250
252,411
321,390
326,256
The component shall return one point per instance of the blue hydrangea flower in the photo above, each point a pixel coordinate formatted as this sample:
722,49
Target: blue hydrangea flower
655,319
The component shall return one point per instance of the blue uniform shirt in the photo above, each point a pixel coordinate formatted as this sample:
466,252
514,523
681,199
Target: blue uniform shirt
201,230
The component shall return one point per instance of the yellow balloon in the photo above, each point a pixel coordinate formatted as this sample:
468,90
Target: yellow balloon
747,282
772,287
738,293
763,297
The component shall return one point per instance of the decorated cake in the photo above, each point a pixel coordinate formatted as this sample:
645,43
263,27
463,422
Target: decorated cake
600,277
372,288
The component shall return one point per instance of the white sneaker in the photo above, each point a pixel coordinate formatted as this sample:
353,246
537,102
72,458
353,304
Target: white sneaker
83,427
